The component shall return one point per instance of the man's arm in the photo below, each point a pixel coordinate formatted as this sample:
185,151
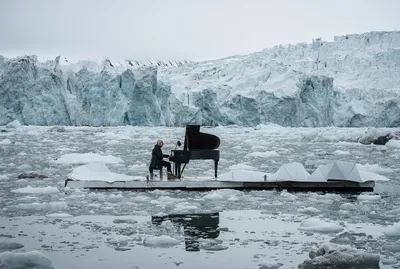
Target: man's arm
158,153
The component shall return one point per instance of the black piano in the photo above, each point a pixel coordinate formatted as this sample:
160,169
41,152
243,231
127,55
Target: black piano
197,146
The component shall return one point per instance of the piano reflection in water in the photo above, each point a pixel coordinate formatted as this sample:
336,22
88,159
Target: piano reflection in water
197,146
196,226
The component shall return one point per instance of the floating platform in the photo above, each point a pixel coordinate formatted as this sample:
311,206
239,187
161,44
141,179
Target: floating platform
206,185
334,177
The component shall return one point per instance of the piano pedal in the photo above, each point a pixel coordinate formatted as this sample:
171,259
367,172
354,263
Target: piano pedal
173,179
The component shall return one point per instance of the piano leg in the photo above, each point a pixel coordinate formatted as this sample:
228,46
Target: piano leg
177,170
216,168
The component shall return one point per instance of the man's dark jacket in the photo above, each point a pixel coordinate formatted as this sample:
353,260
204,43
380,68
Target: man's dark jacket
157,155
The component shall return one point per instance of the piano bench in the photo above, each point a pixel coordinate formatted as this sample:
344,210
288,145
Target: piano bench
156,167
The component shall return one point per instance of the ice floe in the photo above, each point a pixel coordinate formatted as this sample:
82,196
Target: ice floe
28,260
333,256
162,241
317,225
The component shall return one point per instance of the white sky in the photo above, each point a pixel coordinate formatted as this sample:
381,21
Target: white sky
181,29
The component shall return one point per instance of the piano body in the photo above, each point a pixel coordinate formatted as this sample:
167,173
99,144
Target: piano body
197,146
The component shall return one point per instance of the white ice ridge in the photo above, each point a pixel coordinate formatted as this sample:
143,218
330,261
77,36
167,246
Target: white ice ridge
352,82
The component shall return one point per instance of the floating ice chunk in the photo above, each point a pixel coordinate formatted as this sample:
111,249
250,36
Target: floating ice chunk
392,246
212,244
317,225
222,194
337,256
332,196
86,158
31,190
43,206
288,196
7,246
393,144
185,207
395,211
389,261
214,195
59,215
266,154
169,200
217,247
5,142
269,127
309,135
160,214
162,241
31,175
309,210
118,240
341,152
28,260
3,177
348,206
375,168
141,198
269,265
14,124
346,238
393,231
368,197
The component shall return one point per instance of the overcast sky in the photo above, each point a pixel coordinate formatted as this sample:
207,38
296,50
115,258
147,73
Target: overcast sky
181,29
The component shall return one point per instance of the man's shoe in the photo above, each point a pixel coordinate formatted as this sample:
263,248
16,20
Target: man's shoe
170,176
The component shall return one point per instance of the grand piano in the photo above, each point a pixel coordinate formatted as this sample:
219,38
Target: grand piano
197,146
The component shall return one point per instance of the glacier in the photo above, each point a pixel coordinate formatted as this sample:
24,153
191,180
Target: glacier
352,81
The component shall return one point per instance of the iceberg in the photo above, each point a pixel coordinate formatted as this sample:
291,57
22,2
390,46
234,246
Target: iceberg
350,82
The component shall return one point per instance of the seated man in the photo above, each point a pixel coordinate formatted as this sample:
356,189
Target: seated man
157,159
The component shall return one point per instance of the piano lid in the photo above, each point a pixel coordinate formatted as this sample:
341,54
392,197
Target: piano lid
196,140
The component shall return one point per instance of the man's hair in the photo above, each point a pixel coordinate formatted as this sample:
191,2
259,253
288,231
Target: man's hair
159,142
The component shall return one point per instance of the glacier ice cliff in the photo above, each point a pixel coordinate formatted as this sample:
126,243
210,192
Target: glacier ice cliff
351,82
